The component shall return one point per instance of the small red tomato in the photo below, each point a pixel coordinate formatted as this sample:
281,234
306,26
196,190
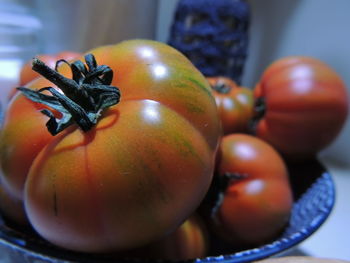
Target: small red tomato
235,104
302,106
257,198
189,241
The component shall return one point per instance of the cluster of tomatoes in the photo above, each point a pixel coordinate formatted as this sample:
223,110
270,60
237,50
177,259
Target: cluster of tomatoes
165,164
297,108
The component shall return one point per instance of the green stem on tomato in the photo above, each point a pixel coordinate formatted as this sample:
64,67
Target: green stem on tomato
83,97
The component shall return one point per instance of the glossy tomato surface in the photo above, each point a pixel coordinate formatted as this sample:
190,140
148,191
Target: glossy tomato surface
235,104
303,106
136,175
257,198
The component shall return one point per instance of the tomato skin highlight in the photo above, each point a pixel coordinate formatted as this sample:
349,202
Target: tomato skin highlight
256,207
235,104
306,105
136,175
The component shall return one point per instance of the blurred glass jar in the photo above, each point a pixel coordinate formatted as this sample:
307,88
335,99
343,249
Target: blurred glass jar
19,32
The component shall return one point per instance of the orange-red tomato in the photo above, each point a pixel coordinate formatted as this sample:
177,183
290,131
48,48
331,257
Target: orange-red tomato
134,176
27,74
189,241
303,104
257,198
235,104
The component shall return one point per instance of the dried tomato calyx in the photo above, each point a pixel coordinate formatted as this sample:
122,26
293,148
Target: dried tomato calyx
83,97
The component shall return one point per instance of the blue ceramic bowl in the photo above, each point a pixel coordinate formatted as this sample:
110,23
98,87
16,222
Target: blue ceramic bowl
314,195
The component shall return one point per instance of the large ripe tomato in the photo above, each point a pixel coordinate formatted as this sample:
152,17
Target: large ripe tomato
235,104
257,198
27,74
303,104
132,177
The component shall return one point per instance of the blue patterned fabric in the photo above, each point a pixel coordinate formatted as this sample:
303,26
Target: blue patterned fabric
213,34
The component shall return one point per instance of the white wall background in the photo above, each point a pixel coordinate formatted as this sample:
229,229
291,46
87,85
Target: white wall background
80,25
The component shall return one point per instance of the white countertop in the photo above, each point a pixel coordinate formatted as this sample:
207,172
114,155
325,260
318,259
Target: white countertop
332,240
